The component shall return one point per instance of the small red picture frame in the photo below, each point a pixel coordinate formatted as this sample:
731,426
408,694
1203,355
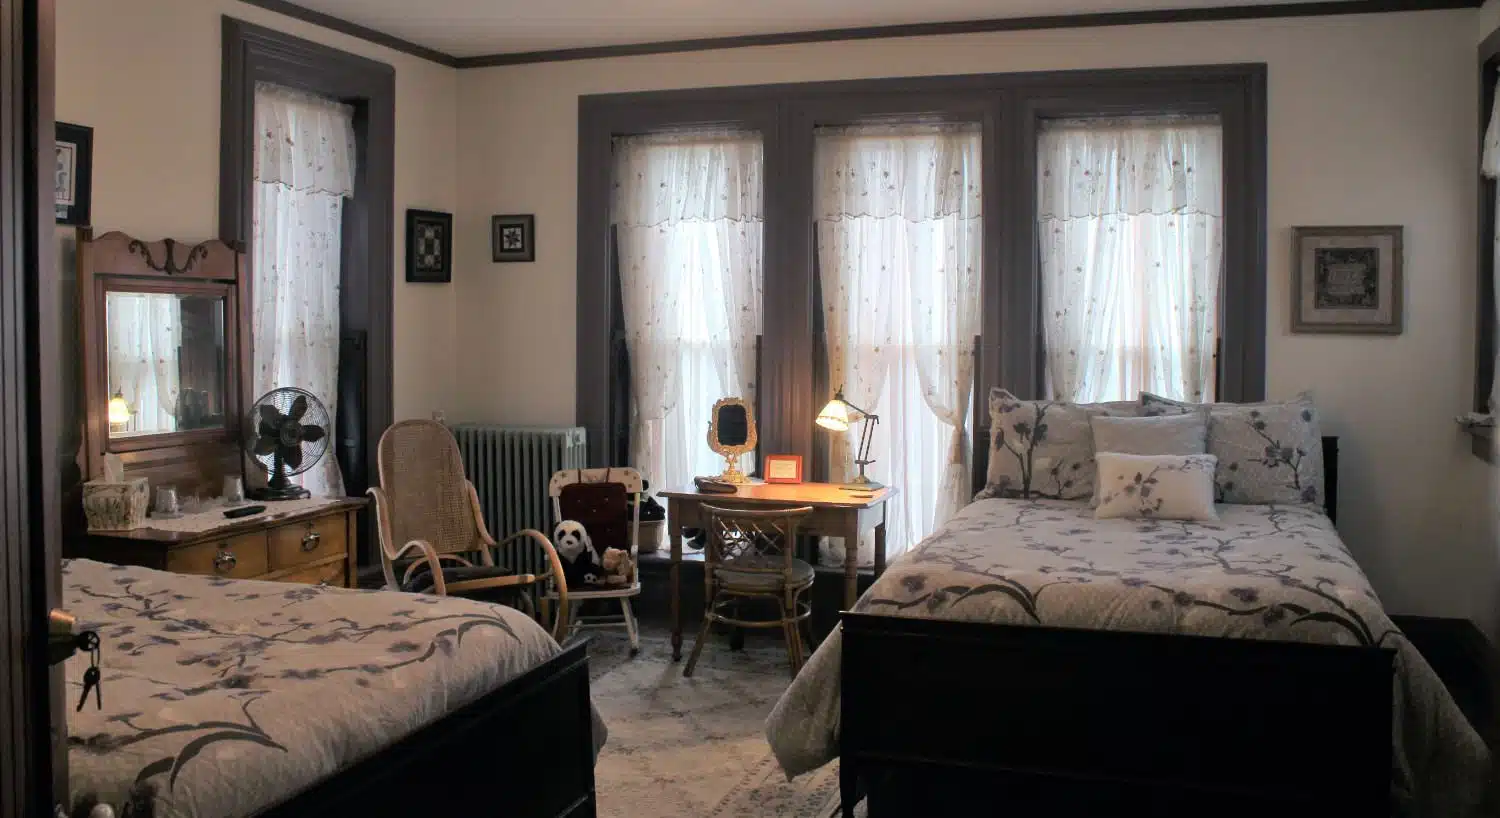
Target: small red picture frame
782,468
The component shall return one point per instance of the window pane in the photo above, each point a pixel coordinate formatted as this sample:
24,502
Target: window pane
1132,247
899,228
688,218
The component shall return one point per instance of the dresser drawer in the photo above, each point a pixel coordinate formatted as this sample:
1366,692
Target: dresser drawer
241,557
327,574
297,544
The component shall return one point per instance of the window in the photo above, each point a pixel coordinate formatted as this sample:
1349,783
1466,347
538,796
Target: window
1131,246
304,167
926,239
899,220
688,227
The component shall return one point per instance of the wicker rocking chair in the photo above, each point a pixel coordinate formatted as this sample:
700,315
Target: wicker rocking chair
425,508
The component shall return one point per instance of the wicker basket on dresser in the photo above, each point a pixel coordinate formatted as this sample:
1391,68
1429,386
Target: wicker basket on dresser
315,546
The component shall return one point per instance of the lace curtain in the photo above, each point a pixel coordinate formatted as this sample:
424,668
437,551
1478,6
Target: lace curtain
899,230
304,167
688,217
1130,220
1489,166
143,338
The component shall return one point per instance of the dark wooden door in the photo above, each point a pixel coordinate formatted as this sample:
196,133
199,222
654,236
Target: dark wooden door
29,398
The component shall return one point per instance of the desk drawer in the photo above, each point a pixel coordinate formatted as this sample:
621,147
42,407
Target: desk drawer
241,557
297,544
331,573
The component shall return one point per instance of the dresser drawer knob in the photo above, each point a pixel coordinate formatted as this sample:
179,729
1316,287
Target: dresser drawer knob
225,561
310,541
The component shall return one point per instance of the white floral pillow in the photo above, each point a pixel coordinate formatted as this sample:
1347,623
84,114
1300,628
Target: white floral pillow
1268,452
1160,487
1041,448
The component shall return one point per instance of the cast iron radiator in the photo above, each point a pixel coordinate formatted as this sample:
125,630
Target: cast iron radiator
510,467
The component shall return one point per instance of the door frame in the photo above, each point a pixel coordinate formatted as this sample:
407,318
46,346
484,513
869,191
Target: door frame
33,765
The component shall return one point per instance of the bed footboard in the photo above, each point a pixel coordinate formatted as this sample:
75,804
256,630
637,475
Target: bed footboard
524,751
959,718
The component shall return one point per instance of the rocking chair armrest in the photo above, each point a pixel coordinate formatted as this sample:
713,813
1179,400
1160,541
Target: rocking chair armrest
484,530
494,582
559,627
434,563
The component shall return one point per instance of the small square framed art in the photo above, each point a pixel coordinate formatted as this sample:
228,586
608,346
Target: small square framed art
513,238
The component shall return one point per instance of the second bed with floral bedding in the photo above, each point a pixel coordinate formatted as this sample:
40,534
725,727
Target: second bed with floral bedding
1261,572
226,697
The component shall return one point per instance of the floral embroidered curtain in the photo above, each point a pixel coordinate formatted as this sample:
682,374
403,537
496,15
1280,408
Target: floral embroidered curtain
304,167
1130,220
1489,165
899,228
688,218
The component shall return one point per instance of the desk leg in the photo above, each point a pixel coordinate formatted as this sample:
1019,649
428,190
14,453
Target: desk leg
880,544
675,532
851,562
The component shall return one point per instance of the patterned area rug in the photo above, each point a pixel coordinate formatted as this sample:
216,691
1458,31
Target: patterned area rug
696,748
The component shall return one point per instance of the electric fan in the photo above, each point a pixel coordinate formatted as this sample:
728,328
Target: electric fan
287,434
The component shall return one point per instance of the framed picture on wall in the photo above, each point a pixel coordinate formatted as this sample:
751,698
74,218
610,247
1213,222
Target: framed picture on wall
513,238
429,246
1347,280
73,177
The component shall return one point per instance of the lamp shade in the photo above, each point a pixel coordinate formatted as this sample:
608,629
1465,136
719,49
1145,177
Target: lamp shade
119,410
835,416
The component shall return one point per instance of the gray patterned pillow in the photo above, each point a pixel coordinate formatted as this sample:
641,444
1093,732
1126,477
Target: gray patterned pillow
1182,434
1186,433
1268,452
1041,448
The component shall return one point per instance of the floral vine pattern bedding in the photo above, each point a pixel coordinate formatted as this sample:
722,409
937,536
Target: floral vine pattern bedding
1260,572
225,697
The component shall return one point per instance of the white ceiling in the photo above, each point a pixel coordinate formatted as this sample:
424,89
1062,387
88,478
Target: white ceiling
466,28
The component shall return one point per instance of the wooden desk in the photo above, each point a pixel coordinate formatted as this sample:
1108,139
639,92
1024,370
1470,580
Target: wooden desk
836,513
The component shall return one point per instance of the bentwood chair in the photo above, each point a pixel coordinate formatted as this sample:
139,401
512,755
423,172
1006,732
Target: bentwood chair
425,507
750,555
628,537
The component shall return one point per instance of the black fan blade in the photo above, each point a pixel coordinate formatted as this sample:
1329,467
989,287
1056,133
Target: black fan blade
268,429
266,445
299,408
312,434
292,456
270,414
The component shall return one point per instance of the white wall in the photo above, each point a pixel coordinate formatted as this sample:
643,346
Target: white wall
1489,18
1372,121
146,77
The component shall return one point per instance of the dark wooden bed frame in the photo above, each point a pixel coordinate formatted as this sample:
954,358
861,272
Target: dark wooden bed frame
524,750
959,718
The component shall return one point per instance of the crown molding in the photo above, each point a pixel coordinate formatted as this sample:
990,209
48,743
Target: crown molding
343,26
1324,8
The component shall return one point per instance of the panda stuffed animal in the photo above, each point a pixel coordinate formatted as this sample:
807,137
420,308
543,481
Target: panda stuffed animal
575,547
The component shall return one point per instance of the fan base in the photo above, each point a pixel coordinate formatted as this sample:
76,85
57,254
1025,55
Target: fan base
288,493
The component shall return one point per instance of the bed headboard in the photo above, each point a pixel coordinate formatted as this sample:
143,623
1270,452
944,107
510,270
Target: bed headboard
1331,476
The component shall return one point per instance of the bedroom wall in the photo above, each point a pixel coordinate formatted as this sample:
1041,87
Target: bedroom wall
145,74
1372,121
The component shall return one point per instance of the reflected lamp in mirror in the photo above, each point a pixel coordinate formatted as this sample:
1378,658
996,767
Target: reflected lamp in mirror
119,412
838,416
731,434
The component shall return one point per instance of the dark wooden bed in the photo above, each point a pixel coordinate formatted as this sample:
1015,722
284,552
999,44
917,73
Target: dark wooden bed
523,751
1037,721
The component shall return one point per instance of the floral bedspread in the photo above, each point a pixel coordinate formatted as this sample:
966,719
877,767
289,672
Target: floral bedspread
1262,572
225,697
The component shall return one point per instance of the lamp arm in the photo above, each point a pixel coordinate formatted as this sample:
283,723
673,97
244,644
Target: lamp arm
866,437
